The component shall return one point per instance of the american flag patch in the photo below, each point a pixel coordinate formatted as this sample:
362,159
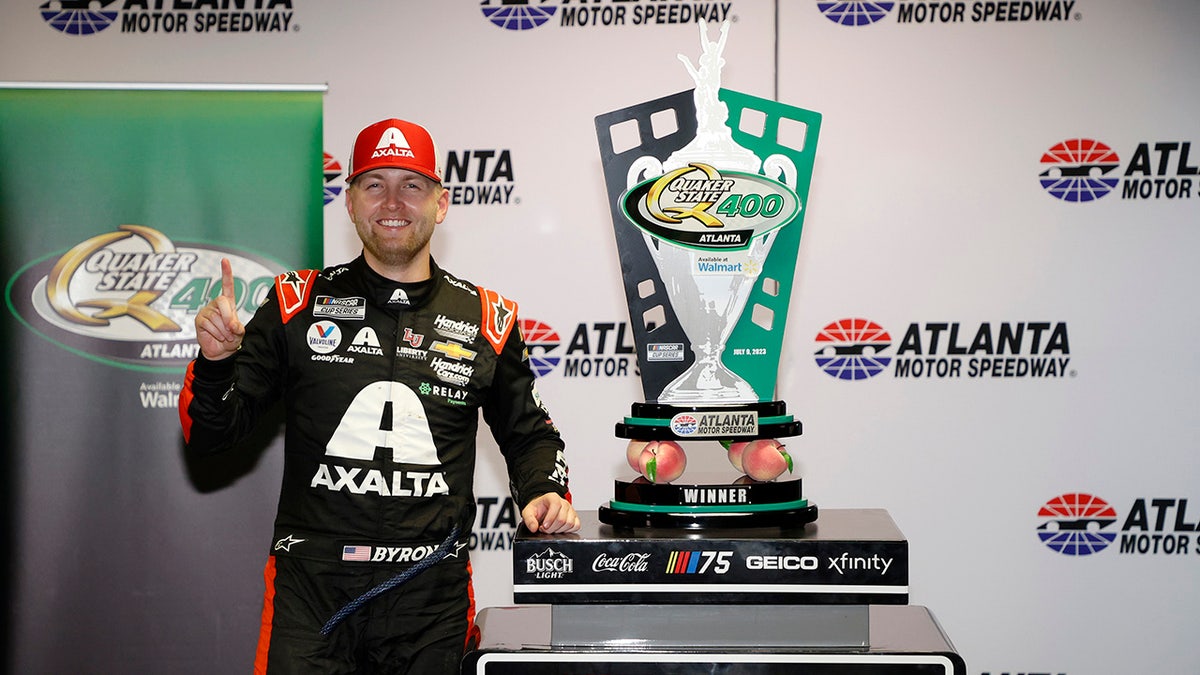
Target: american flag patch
356,553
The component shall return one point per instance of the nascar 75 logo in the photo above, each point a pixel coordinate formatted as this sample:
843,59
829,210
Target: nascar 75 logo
698,562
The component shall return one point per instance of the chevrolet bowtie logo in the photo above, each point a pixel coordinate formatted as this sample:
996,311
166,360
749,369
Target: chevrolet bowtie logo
452,350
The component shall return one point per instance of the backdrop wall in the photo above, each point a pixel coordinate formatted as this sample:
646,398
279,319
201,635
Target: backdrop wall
986,169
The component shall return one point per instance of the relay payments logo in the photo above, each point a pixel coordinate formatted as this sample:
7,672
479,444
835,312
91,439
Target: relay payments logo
1080,524
1081,170
859,349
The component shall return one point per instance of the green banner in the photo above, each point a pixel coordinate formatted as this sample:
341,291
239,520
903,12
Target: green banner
116,207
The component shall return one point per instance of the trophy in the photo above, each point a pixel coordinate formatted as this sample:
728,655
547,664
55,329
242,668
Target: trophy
707,198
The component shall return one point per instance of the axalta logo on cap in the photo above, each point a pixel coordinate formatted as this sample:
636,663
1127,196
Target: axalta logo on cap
392,143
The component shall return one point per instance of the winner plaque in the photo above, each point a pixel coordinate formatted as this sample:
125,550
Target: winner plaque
707,189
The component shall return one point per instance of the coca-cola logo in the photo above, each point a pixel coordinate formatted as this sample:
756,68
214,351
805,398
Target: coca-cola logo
630,562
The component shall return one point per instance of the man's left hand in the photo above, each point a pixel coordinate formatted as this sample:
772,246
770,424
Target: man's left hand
551,514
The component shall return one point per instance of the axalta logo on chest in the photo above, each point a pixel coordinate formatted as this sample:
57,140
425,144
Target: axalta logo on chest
361,481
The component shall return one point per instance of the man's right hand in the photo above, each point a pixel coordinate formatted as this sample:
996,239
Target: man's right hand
218,328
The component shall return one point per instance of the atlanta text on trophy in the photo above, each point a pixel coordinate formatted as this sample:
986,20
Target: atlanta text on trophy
707,189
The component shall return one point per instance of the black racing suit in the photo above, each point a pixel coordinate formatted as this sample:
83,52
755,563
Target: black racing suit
382,384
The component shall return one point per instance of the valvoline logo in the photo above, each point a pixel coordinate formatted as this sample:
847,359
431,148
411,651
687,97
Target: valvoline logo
542,341
1073,524
851,349
1077,170
78,17
854,13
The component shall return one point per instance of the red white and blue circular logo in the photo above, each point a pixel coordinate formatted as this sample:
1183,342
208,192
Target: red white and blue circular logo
684,424
1073,524
78,17
1077,169
332,170
517,14
852,349
855,13
541,340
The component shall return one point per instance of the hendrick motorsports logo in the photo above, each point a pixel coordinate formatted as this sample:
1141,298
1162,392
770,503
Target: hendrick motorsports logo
1084,170
1079,524
1011,11
522,15
130,297
857,349
86,17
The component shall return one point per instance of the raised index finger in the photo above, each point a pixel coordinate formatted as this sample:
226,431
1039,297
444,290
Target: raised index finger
227,279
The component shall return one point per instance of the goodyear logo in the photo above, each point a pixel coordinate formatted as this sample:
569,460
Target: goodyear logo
129,297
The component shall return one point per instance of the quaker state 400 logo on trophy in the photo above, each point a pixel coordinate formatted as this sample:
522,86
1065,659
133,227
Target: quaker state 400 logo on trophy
707,190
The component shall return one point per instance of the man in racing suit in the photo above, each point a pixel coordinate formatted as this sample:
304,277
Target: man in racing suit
383,365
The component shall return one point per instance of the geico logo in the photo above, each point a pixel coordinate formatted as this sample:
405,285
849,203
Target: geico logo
781,562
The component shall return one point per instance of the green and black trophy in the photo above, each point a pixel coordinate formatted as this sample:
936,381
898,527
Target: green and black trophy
707,195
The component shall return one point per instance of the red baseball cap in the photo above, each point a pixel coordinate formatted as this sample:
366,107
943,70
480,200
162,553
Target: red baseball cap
395,144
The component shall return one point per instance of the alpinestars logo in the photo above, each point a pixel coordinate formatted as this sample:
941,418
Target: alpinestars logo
522,15
853,349
87,17
1085,170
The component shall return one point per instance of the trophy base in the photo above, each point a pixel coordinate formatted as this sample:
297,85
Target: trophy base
735,422
711,504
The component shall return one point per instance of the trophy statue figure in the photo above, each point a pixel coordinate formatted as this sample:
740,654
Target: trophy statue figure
707,221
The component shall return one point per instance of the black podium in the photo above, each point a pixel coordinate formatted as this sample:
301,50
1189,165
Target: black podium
825,598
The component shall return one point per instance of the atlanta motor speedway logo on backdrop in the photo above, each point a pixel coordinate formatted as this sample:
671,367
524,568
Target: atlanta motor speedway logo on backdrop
522,15
858,349
129,297
598,349
481,177
496,524
1086,169
88,17
1083,524
920,13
